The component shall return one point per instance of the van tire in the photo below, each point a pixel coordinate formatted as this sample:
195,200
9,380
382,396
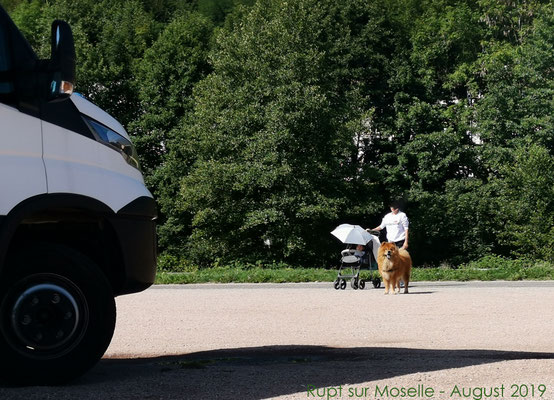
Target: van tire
57,315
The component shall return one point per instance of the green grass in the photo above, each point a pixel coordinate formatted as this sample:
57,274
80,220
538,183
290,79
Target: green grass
486,269
247,275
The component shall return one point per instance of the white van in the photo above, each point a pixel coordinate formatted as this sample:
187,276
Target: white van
77,224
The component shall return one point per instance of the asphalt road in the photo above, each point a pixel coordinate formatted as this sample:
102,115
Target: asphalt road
480,340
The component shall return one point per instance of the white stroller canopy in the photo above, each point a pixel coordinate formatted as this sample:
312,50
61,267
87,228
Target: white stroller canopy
351,234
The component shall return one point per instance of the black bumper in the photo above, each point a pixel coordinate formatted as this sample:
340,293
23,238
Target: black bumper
135,227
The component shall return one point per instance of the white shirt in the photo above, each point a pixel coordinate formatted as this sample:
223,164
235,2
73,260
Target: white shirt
396,225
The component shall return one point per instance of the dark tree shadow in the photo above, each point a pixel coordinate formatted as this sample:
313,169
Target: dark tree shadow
258,372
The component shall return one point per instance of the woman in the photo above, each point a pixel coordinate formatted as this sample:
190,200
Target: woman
397,224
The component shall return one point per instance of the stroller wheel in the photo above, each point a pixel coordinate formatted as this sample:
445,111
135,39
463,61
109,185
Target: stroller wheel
336,284
354,283
342,284
361,284
377,283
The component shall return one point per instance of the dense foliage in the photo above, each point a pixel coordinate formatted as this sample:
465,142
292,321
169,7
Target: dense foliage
272,121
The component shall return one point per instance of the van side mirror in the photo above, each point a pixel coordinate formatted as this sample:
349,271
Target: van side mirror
62,60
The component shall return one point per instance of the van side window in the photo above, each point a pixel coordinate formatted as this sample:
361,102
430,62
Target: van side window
6,86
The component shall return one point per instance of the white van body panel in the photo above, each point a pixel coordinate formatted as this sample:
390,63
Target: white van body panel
23,174
80,165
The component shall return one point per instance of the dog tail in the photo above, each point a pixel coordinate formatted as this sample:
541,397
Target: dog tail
404,254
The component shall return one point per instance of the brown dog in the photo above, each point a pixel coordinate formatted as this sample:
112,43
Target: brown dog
394,265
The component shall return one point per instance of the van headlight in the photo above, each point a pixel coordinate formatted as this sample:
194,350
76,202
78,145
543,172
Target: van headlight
112,139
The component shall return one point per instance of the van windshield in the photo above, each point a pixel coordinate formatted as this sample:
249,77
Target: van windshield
5,63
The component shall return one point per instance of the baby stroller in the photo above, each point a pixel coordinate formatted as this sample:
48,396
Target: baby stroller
352,261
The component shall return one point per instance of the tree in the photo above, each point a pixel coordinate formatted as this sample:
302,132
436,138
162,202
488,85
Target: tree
273,152
280,119
110,39
10,5
218,10
527,194
165,79
525,178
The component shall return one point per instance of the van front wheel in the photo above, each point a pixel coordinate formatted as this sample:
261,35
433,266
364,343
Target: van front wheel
57,316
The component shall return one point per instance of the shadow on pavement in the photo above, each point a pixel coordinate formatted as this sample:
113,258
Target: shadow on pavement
258,372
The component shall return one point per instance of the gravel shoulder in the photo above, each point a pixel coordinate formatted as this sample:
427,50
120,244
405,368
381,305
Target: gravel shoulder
442,341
